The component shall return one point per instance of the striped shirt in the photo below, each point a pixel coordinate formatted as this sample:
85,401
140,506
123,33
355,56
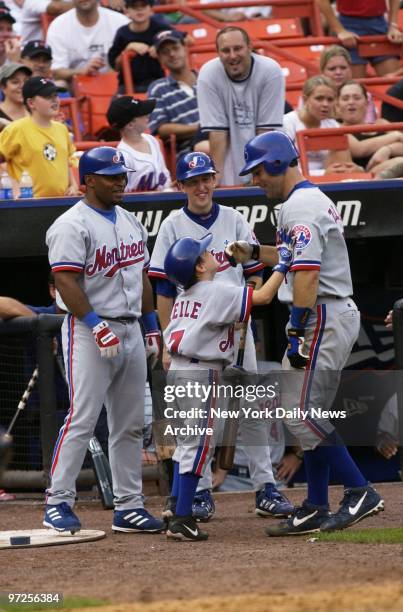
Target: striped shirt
174,105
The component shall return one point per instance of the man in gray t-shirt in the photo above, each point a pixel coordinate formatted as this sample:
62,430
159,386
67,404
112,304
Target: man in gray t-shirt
240,94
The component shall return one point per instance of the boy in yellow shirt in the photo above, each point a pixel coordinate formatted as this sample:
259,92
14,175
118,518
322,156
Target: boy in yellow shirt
39,144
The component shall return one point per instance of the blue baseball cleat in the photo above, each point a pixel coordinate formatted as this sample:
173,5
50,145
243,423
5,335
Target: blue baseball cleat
357,504
203,506
61,518
136,520
270,502
305,519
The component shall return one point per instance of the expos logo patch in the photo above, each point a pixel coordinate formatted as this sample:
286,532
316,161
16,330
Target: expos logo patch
303,236
197,162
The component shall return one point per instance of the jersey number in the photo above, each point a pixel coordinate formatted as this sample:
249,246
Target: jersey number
175,340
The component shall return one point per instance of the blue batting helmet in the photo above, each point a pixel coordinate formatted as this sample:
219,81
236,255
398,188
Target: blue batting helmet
181,258
275,150
102,160
193,164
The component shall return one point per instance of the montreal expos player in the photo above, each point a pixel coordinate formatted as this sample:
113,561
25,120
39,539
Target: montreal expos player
322,329
99,257
195,173
202,320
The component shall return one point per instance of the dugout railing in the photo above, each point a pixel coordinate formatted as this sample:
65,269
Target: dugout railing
27,342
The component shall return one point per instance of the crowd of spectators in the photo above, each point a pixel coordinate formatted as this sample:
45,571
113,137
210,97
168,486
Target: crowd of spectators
235,95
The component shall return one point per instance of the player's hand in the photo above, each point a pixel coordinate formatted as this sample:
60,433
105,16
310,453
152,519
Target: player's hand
108,343
153,347
138,47
239,252
166,359
287,467
386,445
389,320
296,354
219,475
347,38
92,67
285,249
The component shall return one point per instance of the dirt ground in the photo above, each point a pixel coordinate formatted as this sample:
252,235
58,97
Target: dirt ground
238,568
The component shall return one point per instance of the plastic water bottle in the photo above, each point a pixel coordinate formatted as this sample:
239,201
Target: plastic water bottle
26,190
6,187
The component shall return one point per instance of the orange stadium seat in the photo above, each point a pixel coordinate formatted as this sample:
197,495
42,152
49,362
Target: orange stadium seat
69,109
202,33
269,29
198,58
94,94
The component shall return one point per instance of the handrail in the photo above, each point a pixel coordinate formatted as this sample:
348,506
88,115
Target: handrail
303,136
306,8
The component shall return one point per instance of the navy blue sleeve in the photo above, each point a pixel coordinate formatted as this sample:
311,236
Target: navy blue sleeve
166,288
42,309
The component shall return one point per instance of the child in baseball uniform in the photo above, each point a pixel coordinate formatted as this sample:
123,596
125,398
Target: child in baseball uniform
200,339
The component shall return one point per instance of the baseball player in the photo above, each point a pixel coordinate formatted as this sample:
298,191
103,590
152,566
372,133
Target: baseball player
322,329
99,257
195,173
197,336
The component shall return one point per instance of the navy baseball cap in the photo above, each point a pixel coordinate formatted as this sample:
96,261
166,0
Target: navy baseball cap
122,110
5,13
167,35
39,86
36,47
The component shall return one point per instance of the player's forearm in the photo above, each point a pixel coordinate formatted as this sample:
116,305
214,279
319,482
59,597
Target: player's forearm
147,304
218,148
182,130
305,288
10,308
72,294
255,279
164,307
64,74
266,293
268,255
327,11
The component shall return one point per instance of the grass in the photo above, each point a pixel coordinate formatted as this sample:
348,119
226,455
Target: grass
68,602
391,535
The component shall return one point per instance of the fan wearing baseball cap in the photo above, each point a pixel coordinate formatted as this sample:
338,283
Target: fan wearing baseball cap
12,79
40,144
37,55
142,151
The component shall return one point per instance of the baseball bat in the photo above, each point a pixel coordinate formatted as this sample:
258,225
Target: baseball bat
100,463
24,400
227,451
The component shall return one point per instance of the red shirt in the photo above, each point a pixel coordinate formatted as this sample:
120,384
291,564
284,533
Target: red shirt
361,8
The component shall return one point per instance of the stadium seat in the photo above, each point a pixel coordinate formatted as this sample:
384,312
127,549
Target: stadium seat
94,94
70,112
198,58
269,29
202,33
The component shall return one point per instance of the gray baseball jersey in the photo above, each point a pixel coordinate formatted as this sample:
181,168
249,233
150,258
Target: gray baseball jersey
228,225
201,321
320,243
240,108
110,257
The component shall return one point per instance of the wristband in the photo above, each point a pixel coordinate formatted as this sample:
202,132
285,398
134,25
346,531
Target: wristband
150,321
255,251
91,319
299,317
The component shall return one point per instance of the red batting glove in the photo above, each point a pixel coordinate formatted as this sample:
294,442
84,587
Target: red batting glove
153,347
106,340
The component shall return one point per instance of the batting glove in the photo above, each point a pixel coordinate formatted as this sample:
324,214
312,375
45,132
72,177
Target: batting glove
241,251
295,349
153,347
106,340
285,249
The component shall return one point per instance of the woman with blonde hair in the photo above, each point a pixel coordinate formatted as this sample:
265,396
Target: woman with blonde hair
319,100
